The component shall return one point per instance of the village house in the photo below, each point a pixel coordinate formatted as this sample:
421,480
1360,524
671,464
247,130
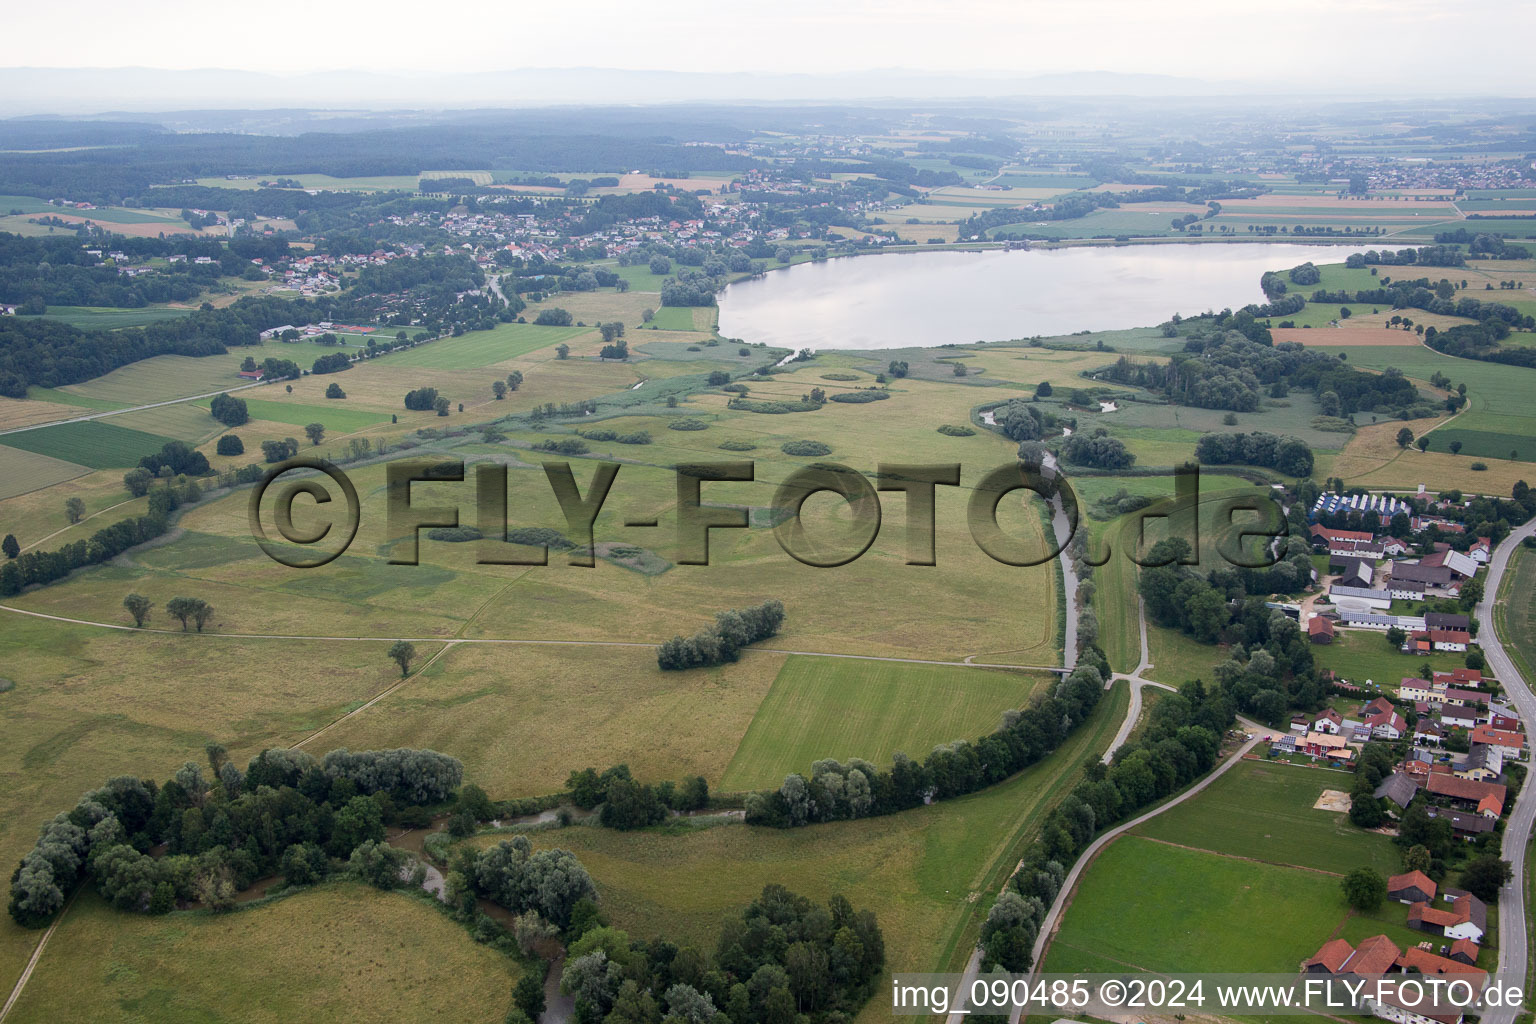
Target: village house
1467,918
1319,630
1509,744
1487,798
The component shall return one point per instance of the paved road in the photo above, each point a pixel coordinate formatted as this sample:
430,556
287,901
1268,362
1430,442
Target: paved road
133,408
1513,948
1138,683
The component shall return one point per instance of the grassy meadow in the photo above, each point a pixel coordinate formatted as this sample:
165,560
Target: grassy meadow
347,952
820,708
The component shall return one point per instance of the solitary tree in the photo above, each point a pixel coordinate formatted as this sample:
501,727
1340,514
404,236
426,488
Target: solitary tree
562,351
402,653
1404,437
1455,447
499,389
316,432
441,405
74,509
138,606
1364,888
10,546
514,380
1422,444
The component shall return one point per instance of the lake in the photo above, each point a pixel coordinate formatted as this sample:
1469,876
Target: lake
900,300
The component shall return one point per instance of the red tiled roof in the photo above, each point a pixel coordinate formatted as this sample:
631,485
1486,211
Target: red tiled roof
1332,956
1497,737
1416,879
1426,914
1465,789
1374,955
1465,947
1319,626
1426,962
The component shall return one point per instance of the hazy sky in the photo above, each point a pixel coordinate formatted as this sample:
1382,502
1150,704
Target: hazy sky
1334,41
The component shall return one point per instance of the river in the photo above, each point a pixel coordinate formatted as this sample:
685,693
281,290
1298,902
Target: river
899,300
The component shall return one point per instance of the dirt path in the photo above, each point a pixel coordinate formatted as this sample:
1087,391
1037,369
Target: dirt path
1237,856
502,640
380,696
132,408
37,954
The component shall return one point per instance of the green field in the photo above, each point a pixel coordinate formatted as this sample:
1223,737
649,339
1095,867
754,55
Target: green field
106,318
161,378
1499,416
1264,811
820,708
70,398
23,471
335,415
1362,654
484,348
1515,611
93,443
674,318
1154,907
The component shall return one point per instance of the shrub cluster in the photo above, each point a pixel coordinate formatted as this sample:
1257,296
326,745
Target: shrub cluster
723,641
224,828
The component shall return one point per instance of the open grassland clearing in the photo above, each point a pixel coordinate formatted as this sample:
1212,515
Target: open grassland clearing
1150,906
107,318
484,348
1514,228
376,183
1293,415
928,874
1265,811
1021,365
347,952
820,707
681,318
90,704
184,421
1178,659
23,471
361,594
335,414
522,718
1358,655
162,378
599,306
93,443
34,514
27,412
925,231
